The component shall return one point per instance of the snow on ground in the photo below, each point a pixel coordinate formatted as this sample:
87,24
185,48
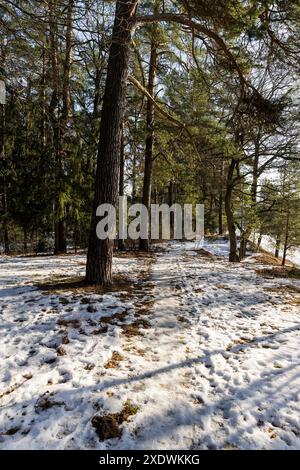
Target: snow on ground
210,361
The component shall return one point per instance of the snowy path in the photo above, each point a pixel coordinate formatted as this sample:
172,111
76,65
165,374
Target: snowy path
207,351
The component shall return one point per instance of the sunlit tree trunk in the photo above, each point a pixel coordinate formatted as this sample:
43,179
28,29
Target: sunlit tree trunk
99,258
233,256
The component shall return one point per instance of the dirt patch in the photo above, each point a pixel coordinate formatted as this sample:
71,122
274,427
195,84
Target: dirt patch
284,289
223,286
78,285
134,328
182,320
264,258
279,272
143,323
45,402
131,330
193,255
10,431
114,361
100,331
294,301
204,253
109,426
239,342
121,316
145,309
134,255
73,323
61,351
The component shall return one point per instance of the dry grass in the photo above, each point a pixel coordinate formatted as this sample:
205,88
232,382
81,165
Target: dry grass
78,285
266,258
134,254
283,289
114,361
222,286
134,328
279,272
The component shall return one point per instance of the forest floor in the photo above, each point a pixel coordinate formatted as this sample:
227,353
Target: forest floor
187,352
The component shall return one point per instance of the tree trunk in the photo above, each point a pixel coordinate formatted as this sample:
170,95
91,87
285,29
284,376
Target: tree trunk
146,200
243,244
277,247
25,238
286,238
220,213
66,109
43,97
3,164
99,258
60,122
121,244
59,229
259,240
233,256
171,202
133,177
255,172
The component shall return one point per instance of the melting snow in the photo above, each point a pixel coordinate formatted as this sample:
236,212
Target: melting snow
211,363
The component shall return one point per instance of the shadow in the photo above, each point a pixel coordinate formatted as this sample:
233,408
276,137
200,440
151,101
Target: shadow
259,401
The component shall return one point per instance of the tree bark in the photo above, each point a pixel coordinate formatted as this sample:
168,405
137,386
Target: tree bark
43,97
277,247
121,243
233,256
146,200
259,240
133,177
99,258
60,121
220,213
286,238
59,230
3,163
25,240
255,172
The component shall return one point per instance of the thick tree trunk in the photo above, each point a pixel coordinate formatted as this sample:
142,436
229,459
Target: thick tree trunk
99,258
146,200
121,244
233,256
3,164
3,180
